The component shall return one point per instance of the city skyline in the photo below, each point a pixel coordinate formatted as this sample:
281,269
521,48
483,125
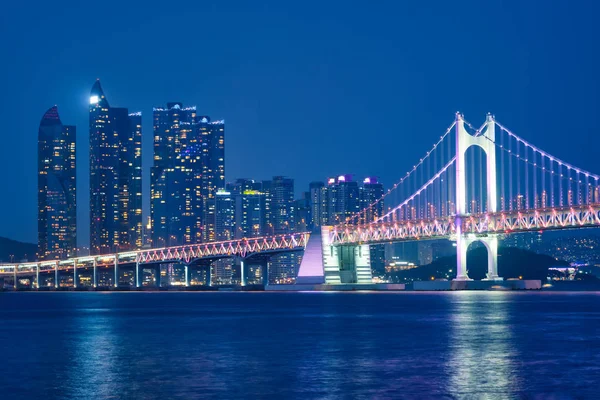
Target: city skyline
188,192
306,196
170,149
299,103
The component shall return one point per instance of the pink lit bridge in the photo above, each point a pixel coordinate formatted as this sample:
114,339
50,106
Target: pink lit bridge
475,184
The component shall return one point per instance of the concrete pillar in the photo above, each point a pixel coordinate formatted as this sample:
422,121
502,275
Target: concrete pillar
15,281
187,275
486,141
95,272
491,243
137,274
209,275
312,267
37,276
75,274
116,270
56,275
331,259
490,152
242,273
362,264
461,258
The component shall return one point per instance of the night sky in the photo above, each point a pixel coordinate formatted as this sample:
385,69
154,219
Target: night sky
307,89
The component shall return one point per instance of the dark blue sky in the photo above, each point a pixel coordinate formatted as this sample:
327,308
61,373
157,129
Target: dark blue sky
307,89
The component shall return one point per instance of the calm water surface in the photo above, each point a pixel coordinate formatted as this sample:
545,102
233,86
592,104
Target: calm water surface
300,345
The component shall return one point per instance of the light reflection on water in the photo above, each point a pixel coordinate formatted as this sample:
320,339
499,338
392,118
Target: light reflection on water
483,359
303,345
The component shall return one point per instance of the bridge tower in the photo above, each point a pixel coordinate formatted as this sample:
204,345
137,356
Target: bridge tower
485,141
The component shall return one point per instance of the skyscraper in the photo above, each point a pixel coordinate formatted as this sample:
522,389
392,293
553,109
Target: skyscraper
115,176
318,205
343,199
370,194
211,136
250,217
57,200
280,219
176,177
188,170
302,210
224,215
279,205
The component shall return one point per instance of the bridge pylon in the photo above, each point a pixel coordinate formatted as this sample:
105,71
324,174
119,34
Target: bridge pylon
486,141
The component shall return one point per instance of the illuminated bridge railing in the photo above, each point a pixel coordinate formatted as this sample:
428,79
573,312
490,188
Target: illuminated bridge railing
502,222
241,247
393,232
183,254
534,220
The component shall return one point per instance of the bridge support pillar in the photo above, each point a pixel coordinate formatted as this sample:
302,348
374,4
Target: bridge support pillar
491,243
56,275
187,273
317,256
137,274
116,270
37,276
354,264
362,264
209,275
242,273
95,273
15,278
461,259
75,274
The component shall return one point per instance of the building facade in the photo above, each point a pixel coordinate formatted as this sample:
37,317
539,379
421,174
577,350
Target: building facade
342,199
115,176
279,205
371,200
176,177
224,215
188,170
318,205
57,195
211,135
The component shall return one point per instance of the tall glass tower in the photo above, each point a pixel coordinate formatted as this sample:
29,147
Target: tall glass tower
115,176
211,136
57,200
176,180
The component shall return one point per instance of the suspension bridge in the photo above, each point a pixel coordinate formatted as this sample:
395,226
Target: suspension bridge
475,184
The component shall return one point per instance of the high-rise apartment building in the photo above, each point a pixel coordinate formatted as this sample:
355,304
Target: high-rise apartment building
342,199
115,176
224,215
57,200
250,208
279,208
211,136
302,216
370,200
188,170
318,206
176,177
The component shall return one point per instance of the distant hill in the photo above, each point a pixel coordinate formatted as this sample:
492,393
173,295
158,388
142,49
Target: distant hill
512,263
20,250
